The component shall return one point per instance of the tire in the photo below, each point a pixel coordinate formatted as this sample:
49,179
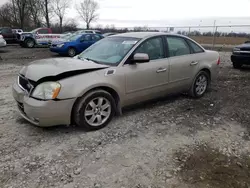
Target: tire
197,91
71,52
29,43
237,65
86,105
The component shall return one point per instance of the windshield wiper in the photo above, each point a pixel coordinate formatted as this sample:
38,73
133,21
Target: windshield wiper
92,60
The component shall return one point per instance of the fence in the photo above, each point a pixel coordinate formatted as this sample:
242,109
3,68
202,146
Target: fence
217,36
220,37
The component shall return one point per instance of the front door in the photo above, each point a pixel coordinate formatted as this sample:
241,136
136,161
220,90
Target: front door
146,80
85,42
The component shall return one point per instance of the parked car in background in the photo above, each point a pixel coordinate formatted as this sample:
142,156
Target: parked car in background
117,71
2,42
75,44
38,37
63,38
8,35
17,31
241,55
88,31
109,34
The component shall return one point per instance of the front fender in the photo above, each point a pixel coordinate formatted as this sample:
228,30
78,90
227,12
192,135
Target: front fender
77,86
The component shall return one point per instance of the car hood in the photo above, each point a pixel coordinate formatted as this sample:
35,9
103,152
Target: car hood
58,68
25,33
244,46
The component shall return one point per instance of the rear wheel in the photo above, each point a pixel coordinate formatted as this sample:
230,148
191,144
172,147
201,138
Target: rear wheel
237,65
94,110
71,52
200,84
29,43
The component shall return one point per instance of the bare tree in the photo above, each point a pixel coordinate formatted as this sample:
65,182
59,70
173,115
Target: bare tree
60,7
14,14
46,10
6,16
35,10
87,10
22,10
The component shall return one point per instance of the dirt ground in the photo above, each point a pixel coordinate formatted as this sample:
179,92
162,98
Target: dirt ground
220,40
175,142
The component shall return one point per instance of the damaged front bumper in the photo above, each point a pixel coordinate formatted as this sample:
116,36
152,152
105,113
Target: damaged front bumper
43,113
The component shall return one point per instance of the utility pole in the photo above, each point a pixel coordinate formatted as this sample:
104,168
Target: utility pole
215,31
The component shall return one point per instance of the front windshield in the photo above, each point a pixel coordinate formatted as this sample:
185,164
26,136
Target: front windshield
66,36
34,31
109,50
73,37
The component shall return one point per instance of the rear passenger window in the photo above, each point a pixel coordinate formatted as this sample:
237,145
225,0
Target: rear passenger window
96,37
195,47
86,37
177,46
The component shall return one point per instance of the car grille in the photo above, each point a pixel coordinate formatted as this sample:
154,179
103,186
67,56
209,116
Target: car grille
25,83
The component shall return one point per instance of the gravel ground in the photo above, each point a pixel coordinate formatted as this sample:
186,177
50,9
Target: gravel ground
172,142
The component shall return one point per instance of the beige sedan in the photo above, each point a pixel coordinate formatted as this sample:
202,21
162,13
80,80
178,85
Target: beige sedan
120,70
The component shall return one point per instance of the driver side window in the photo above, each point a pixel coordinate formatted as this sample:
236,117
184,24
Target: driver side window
153,47
86,38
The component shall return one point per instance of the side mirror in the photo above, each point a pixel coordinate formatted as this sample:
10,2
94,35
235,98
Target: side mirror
140,58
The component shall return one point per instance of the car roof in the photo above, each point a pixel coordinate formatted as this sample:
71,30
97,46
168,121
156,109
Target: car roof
144,34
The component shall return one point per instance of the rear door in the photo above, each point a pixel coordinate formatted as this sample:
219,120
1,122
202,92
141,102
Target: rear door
95,38
184,64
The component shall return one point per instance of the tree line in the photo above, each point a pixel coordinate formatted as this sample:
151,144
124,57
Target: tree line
29,14
216,34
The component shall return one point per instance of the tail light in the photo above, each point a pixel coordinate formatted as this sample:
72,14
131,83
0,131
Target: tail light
218,62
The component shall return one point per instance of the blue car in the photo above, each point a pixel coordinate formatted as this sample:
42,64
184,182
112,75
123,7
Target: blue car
75,44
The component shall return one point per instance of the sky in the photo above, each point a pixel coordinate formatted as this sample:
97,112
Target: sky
163,13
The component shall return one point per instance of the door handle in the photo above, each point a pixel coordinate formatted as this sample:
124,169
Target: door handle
193,63
161,70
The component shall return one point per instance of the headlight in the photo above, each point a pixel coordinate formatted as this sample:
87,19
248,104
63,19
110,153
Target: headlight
60,45
236,49
46,90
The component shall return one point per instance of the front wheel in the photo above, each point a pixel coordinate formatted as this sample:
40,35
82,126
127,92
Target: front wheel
29,43
71,52
200,84
94,110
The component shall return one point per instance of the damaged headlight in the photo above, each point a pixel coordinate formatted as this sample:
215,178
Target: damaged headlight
46,90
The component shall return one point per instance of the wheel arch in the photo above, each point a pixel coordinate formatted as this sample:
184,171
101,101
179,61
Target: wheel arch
207,70
108,89
31,38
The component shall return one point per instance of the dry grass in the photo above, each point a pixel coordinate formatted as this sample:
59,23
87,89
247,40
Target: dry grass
220,40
